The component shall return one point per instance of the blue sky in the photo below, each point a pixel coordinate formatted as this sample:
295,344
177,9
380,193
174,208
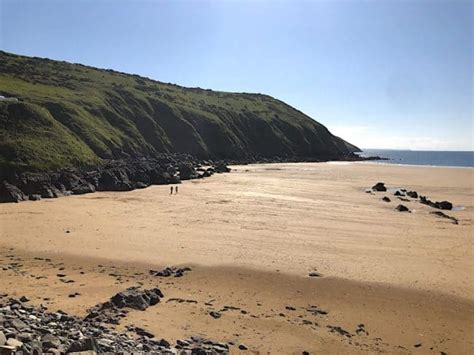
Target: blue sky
381,74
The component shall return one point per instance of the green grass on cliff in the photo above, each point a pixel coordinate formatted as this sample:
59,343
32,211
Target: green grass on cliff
73,115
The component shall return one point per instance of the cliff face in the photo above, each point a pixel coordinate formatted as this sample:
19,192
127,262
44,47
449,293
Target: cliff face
73,115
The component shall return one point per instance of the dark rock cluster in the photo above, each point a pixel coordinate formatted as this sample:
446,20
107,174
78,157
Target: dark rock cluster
25,329
113,310
404,195
170,271
443,205
113,175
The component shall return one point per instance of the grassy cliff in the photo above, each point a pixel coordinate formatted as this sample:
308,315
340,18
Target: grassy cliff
73,115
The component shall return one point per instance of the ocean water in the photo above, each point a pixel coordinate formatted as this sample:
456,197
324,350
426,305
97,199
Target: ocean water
414,157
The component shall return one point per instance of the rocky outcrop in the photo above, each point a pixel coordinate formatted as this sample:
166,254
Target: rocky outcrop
11,193
443,205
114,175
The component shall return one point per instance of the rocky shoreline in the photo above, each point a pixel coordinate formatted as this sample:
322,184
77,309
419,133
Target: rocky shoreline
112,175
124,175
33,330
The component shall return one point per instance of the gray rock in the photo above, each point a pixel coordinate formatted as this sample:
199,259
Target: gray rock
11,193
34,197
380,186
215,315
50,341
14,342
3,338
85,344
18,324
402,208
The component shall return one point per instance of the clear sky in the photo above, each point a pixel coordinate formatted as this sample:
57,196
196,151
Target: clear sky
381,74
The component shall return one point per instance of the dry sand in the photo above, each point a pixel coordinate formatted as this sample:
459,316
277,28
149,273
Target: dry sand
251,238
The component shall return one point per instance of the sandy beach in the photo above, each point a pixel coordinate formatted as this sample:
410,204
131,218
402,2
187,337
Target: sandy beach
395,282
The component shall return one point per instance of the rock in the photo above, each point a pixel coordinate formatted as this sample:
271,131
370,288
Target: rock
412,194
83,188
3,338
402,208
222,168
314,274
444,205
243,347
24,299
49,341
34,197
443,215
315,310
386,199
215,315
24,337
143,332
11,193
187,171
18,324
170,271
85,344
114,180
135,298
14,343
339,330
398,193
164,343
380,186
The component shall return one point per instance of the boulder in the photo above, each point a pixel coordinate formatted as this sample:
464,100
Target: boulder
444,205
402,208
34,197
49,341
83,188
114,180
380,186
14,343
136,298
222,168
3,338
11,193
412,194
85,344
385,199
398,193
186,172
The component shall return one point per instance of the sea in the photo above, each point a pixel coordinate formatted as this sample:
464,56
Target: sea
422,157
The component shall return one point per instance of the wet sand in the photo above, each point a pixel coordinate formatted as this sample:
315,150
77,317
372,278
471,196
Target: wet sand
251,238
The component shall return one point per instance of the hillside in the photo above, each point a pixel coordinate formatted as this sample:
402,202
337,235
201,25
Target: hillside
64,115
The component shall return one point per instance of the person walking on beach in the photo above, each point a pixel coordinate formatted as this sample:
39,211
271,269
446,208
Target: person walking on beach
171,190
176,190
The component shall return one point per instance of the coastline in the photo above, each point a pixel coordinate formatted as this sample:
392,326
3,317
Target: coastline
408,165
